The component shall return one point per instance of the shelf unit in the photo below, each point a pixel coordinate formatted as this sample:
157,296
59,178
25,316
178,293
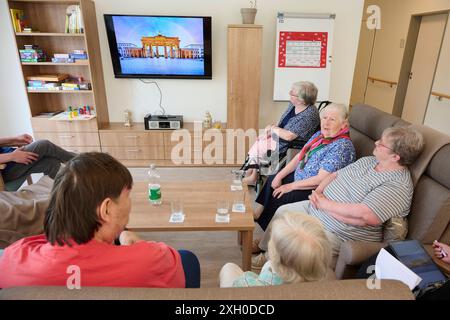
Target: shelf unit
48,16
244,76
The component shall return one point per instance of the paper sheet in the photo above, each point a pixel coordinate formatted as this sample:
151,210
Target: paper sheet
388,267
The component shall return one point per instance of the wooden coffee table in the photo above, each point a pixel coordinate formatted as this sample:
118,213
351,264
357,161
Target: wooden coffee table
199,204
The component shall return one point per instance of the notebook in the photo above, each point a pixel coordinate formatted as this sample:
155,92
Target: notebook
413,255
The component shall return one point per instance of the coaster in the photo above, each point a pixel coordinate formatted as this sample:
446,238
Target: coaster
236,188
238,208
223,218
176,218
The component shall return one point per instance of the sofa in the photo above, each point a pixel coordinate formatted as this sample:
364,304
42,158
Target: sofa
430,210
429,220
324,290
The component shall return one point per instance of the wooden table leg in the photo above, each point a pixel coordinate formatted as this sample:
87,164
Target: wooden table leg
247,238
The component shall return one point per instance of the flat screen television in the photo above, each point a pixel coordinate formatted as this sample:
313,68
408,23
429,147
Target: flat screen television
160,46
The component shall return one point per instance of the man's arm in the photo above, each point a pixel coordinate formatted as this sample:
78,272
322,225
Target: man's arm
19,156
16,141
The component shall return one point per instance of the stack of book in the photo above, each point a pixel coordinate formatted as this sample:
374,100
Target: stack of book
62,58
69,57
32,53
70,86
78,55
47,82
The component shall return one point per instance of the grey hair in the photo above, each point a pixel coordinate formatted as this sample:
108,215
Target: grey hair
407,142
340,108
306,91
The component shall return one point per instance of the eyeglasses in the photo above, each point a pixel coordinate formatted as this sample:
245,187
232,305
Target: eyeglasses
378,143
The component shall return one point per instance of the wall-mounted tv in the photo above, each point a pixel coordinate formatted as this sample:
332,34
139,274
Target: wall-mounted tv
160,46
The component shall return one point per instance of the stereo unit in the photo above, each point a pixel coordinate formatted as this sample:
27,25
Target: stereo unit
163,122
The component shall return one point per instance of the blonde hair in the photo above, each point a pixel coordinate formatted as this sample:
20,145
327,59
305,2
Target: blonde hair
298,248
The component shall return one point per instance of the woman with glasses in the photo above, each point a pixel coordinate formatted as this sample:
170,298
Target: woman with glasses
300,121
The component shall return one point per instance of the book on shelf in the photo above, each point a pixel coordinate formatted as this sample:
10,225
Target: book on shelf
58,88
49,77
47,114
74,20
18,19
63,60
43,84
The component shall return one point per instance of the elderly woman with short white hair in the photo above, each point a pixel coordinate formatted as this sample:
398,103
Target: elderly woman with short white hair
327,151
298,122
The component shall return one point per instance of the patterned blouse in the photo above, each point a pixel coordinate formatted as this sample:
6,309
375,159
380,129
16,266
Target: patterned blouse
331,158
267,277
304,124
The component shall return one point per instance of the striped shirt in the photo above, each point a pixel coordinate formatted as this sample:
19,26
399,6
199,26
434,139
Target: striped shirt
388,194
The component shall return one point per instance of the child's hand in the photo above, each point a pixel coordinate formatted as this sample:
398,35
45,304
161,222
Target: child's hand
441,251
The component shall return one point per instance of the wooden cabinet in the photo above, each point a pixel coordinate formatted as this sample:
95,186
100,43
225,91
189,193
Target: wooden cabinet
135,146
47,19
244,76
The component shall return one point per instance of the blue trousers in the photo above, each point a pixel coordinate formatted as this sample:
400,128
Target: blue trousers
191,267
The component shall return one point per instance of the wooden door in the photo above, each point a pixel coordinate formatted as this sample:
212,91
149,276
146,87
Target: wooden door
423,68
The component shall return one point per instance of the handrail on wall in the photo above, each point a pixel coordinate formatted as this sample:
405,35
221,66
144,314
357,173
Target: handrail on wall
390,83
440,96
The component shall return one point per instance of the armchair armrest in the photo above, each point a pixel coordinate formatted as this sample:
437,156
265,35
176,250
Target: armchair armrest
353,254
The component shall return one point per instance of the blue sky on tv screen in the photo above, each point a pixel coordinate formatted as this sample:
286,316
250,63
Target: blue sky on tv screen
130,29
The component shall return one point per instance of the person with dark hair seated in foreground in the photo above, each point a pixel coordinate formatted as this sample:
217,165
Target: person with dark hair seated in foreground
40,156
89,208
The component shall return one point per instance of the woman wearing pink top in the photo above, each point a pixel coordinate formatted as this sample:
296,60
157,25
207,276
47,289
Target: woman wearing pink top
89,208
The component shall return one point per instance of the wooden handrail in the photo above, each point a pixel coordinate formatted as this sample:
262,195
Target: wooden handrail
390,83
439,96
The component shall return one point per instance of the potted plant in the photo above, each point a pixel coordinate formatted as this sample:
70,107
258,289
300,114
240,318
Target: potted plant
248,14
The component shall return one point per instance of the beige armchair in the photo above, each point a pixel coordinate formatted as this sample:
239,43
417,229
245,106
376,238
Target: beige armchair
429,218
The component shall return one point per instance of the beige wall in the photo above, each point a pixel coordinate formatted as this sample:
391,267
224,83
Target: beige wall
193,97
387,53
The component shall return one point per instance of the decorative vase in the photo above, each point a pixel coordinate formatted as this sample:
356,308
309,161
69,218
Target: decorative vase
248,15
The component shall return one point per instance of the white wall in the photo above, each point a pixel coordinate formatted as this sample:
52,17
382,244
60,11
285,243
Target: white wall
192,98
14,111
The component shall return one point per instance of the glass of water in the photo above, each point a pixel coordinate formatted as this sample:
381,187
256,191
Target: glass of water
236,179
177,208
223,210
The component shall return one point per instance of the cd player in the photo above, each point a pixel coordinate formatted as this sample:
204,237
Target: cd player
163,122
